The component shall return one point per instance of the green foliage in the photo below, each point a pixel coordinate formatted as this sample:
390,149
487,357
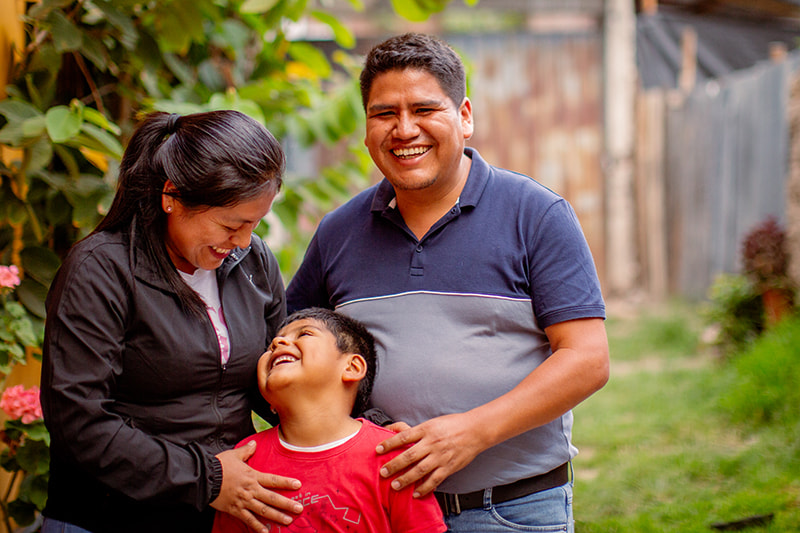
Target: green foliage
91,66
735,307
658,455
764,378
89,69
27,454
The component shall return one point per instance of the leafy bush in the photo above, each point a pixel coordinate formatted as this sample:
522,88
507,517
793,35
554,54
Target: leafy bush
764,379
765,258
735,306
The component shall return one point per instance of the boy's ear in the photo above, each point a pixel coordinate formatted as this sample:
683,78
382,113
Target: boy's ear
356,368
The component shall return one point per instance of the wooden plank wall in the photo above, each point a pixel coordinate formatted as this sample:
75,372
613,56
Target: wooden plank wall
722,169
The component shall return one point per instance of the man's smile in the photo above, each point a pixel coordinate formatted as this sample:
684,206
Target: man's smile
408,153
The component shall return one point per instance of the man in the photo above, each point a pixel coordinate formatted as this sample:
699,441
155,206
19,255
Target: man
482,295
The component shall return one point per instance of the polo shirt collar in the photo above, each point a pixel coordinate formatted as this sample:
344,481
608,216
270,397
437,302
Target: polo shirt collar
473,190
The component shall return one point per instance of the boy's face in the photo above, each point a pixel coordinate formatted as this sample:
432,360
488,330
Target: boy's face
303,353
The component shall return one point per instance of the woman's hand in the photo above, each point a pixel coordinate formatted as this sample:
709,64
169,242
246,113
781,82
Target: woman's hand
244,492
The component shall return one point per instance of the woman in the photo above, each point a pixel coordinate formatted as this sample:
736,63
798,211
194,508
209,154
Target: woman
155,323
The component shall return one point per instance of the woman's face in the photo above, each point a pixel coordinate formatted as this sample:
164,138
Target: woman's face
203,238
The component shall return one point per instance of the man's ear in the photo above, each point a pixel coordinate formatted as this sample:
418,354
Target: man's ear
355,369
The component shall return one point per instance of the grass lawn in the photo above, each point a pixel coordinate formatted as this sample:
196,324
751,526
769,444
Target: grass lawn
659,454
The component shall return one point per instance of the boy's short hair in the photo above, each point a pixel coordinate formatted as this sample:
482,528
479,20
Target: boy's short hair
351,337
416,51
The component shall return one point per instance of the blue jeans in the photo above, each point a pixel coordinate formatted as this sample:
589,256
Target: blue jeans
57,526
548,510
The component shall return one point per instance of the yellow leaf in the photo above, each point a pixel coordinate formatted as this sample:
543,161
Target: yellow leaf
96,158
296,70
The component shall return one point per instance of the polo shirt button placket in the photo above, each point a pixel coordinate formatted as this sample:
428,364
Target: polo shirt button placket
416,261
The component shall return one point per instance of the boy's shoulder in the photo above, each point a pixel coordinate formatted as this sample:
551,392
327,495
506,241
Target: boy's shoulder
259,437
378,434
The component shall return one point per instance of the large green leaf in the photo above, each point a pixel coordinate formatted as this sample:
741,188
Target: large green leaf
343,36
409,9
34,457
66,36
418,10
63,123
258,6
34,127
41,153
12,134
123,22
13,210
312,57
94,51
32,295
181,23
103,141
98,119
17,110
40,263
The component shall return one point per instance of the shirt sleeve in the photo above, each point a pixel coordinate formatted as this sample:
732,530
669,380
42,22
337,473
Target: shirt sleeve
307,288
414,515
563,278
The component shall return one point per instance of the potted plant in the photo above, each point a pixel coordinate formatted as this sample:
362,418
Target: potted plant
765,261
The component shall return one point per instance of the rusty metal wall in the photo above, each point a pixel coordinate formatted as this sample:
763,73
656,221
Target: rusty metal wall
537,106
726,168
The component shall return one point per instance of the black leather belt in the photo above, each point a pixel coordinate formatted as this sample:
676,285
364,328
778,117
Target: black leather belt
455,503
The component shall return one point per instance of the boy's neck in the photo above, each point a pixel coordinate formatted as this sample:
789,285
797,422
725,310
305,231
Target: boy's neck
316,429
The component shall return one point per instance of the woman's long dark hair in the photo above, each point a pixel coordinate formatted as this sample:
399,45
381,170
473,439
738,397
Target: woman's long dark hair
214,159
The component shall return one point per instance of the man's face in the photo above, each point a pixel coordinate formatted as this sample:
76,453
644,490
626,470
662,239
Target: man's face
415,133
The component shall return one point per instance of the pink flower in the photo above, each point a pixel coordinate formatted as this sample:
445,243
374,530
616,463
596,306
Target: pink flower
19,402
9,276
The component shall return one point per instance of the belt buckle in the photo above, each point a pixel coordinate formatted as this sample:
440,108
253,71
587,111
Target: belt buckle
451,504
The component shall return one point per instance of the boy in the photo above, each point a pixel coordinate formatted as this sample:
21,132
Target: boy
317,374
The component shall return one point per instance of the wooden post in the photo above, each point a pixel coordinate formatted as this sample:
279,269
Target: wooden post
793,180
651,191
622,272
649,7
688,75
777,51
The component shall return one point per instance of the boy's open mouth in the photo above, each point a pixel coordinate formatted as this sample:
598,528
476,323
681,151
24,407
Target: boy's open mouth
282,359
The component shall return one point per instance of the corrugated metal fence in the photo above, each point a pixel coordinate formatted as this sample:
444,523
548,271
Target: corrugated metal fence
725,166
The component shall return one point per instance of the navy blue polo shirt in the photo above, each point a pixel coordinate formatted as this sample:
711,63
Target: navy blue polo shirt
459,315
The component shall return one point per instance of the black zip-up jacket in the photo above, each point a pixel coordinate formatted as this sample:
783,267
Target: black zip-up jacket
134,393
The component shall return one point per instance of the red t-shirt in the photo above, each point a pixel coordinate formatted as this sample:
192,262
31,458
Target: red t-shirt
342,489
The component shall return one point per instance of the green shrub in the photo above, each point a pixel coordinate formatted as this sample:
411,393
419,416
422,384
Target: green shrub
764,378
735,307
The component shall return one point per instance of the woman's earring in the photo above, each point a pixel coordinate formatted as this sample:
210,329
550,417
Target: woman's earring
169,209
